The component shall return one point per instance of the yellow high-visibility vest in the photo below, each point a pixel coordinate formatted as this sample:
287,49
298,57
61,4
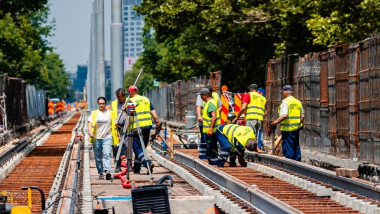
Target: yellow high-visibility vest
207,120
240,133
143,111
256,107
115,138
114,105
293,120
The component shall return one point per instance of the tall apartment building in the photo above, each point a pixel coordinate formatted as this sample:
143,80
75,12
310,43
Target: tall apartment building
132,29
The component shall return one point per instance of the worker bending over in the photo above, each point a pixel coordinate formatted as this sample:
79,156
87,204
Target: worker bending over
234,139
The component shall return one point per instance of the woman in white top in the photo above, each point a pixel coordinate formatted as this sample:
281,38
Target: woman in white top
100,132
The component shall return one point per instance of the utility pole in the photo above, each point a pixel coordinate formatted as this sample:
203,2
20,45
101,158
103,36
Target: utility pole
93,62
100,83
117,67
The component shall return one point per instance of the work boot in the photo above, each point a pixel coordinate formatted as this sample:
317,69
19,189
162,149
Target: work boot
108,175
101,177
151,166
232,164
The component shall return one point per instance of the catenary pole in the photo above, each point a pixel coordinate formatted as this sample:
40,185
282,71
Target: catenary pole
100,84
117,67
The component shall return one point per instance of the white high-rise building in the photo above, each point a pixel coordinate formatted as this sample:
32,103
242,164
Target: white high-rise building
132,30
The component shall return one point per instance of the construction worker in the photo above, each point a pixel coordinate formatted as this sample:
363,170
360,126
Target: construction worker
103,134
117,106
291,116
199,107
144,112
255,106
233,140
210,122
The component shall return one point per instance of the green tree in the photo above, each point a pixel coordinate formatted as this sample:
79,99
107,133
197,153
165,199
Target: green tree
145,81
194,37
24,27
53,76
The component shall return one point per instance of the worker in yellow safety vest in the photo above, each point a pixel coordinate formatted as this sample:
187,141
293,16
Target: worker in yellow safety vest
145,112
255,106
200,104
210,123
103,134
117,106
291,116
234,139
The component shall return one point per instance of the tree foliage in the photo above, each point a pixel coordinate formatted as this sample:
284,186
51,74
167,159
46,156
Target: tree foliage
24,49
53,77
145,81
193,37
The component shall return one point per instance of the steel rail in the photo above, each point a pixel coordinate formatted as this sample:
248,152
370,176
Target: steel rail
20,145
256,197
23,142
322,175
77,169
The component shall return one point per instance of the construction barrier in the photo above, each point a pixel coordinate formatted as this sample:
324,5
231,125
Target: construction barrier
225,108
59,107
51,107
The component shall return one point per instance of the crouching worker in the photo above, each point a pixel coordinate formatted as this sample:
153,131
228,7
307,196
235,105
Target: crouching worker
234,139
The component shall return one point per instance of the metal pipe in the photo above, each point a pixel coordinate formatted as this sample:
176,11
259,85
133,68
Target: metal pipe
94,56
100,49
90,73
117,67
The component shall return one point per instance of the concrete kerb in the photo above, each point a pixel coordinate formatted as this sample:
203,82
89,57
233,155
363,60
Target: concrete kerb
54,191
87,195
219,199
319,190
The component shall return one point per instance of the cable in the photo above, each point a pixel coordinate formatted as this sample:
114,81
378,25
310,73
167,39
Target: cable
57,200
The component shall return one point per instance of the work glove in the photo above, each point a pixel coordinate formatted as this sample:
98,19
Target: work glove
209,133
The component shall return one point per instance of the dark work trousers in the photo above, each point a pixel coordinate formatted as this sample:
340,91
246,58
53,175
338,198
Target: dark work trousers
202,148
290,145
224,144
211,148
138,150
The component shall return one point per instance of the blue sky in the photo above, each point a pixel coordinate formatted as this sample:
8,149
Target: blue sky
72,30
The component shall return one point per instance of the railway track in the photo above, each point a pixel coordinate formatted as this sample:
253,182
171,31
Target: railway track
39,168
273,192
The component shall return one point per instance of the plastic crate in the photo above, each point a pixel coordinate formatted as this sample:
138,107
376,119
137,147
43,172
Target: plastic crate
151,198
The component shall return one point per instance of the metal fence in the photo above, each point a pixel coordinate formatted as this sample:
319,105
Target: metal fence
174,100
340,92
22,101
36,101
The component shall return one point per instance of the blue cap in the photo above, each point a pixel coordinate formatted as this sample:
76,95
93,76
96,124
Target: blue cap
287,88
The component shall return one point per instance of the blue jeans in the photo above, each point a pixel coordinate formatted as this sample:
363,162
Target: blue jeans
224,144
102,150
138,150
290,145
